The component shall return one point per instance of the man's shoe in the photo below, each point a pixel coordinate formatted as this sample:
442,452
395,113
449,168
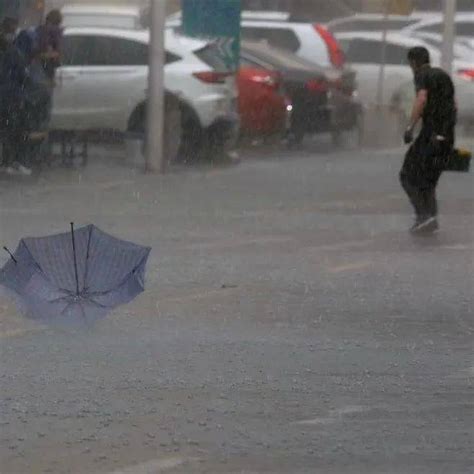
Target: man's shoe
425,226
418,221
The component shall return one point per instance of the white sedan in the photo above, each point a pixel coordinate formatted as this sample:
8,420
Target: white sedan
364,52
102,84
461,48
463,21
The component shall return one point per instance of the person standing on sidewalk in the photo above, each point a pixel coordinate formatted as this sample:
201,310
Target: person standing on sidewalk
41,48
13,80
435,105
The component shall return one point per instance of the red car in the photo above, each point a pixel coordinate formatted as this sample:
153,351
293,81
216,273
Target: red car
263,105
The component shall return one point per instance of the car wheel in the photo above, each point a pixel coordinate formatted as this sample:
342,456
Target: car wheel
172,127
193,139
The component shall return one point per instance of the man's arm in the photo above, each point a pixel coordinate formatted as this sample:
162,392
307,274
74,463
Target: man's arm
416,114
418,107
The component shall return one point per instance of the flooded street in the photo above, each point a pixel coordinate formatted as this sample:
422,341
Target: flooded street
290,324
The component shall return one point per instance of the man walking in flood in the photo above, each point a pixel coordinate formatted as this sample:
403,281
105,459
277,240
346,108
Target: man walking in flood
435,105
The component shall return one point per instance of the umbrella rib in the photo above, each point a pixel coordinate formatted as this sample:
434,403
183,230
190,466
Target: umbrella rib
84,299
33,259
66,308
11,255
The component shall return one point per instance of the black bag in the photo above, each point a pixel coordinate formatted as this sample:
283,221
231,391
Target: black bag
459,160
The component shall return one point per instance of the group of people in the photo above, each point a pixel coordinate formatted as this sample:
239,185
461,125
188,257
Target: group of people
28,62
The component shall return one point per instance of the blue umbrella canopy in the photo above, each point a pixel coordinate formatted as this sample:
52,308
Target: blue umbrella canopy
75,277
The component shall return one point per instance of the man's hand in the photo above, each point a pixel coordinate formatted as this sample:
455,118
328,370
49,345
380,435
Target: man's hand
408,135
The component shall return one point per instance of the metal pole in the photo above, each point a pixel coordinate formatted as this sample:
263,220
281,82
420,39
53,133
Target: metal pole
383,59
448,35
155,162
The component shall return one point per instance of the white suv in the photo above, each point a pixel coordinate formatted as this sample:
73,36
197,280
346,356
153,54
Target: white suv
102,84
310,41
100,15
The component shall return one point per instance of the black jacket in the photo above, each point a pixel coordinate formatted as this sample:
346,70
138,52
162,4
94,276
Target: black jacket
13,80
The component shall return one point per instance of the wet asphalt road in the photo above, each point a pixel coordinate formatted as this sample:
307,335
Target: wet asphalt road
290,324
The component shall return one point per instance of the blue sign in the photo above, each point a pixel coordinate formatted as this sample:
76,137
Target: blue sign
219,19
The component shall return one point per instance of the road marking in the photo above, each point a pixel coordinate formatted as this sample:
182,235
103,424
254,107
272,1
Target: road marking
457,247
153,467
19,333
350,267
333,416
197,296
342,245
463,374
241,242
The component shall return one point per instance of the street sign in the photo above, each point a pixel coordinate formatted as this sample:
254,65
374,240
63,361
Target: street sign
219,19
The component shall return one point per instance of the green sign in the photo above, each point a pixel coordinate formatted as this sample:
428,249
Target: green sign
219,19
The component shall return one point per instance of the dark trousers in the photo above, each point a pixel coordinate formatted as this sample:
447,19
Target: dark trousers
421,171
14,148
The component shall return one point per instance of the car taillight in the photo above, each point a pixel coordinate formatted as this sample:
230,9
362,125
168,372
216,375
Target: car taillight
267,80
467,74
272,80
212,77
336,55
317,85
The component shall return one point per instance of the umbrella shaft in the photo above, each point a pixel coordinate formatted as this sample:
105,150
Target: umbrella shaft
75,258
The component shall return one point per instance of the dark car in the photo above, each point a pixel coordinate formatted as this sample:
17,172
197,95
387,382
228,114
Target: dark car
320,103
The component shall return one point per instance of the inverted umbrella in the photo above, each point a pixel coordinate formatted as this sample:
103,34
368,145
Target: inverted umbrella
75,277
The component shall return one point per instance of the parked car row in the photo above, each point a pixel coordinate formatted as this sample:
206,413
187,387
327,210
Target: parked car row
102,83
307,62
295,78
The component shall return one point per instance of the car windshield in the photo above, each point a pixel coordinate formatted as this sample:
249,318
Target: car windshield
211,55
277,58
